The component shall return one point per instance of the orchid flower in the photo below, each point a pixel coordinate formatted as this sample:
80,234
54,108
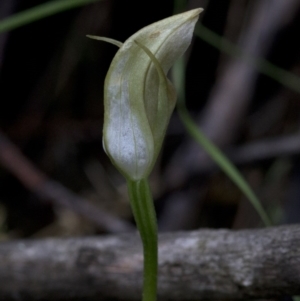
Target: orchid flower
138,103
138,97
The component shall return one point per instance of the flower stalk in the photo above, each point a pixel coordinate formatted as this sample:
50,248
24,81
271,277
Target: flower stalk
145,218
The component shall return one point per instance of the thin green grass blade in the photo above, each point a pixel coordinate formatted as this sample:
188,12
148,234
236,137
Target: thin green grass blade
39,12
213,151
278,74
104,39
224,163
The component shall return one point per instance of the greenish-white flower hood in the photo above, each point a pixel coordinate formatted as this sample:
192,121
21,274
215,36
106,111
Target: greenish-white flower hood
138,98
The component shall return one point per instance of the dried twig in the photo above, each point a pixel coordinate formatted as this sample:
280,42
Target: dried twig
260,150
205,264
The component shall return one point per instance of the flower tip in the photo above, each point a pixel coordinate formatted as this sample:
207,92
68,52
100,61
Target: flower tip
91,36
195,12
198,10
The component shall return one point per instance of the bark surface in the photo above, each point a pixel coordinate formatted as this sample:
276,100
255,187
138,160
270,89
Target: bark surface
205,264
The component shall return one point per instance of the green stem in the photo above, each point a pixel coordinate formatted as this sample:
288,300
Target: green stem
145,218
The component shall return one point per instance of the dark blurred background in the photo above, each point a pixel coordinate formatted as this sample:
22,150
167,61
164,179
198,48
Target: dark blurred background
55,179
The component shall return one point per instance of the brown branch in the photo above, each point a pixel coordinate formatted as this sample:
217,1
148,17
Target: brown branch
266,149
256,151
205,264
33,179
